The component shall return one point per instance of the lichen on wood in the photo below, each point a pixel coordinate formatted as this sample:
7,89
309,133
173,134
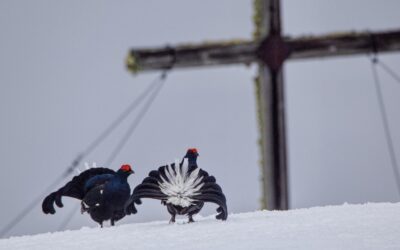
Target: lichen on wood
257,21
261,145
132,63
257,18
207,43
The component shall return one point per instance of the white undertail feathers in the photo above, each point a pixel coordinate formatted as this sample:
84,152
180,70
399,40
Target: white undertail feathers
179,185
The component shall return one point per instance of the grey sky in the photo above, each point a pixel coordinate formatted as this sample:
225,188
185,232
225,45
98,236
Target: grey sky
63,80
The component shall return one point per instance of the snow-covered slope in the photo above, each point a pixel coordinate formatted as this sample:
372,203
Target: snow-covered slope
370,226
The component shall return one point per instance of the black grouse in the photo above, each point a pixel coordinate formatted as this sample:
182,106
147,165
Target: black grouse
102,191
182,187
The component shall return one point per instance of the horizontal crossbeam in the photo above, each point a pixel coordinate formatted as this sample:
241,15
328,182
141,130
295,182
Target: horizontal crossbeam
183,56
246,52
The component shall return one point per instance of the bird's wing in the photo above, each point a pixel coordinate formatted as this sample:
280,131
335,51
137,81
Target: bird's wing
149,188
96,180
180,185
212,192
76,188
94,196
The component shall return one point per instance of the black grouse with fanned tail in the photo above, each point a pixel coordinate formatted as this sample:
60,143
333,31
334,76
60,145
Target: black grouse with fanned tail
182,187
102,191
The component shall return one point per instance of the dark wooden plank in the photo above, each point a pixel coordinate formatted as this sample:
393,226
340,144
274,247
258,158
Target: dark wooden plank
239,51
273,132
183,56
340,44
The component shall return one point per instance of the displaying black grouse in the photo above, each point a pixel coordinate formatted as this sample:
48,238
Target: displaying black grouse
102,191
182,187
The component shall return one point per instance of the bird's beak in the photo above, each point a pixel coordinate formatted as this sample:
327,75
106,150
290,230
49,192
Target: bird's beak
132,172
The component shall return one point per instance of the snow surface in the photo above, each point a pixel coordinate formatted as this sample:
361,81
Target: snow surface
369,226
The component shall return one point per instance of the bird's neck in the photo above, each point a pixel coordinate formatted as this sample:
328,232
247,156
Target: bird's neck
121,177
192,161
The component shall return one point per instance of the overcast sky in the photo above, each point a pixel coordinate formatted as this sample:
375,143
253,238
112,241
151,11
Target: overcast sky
63,80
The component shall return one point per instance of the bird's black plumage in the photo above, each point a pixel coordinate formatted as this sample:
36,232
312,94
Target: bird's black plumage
182,187
102,191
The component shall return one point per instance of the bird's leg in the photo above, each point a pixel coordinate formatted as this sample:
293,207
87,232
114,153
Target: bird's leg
112,222
172,220
101,224
191,218
194,209
172,212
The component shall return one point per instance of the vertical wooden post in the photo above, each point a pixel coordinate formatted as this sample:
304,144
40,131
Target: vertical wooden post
274,169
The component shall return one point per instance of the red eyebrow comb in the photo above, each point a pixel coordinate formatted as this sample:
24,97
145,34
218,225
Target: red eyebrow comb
126,167
193,150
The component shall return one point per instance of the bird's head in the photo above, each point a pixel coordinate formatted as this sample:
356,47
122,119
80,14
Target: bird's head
191,153
126,169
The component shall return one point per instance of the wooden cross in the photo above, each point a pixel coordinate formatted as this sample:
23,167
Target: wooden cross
270,49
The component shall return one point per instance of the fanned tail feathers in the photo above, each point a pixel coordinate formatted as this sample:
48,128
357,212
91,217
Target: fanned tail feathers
180,185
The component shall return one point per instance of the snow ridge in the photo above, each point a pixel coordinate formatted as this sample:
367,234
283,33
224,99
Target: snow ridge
368,226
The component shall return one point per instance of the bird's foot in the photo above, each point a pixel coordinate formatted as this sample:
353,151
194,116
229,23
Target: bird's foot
172,220
190,219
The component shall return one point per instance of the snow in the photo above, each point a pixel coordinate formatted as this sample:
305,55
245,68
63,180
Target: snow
368,226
